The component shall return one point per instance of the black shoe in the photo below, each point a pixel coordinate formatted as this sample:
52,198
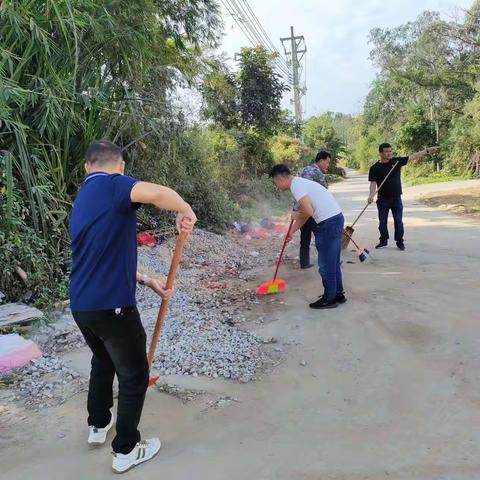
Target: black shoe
341,298
306,267
322,304
401,246
382,245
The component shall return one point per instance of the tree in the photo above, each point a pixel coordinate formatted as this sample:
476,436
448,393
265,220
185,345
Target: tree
416,133
248,105
221,99
290,151
319,133
261,90
248,100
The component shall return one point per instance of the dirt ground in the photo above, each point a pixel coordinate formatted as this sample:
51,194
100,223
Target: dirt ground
383,387
464,201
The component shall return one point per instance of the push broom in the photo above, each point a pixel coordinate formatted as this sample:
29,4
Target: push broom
363,253
349,229
177,255
277,284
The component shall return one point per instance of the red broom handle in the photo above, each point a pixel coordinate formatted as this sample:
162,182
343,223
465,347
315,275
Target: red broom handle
177,255
376,191
283,250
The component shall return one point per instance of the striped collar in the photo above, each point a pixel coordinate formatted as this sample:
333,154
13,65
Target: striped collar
95,174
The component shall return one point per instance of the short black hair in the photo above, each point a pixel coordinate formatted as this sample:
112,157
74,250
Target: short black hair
102,152
383,146
280,171
323,155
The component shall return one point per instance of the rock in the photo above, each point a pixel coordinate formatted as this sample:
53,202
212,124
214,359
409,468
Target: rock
303,363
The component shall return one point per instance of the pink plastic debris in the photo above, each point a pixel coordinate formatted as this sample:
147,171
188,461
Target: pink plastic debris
280,228
16,352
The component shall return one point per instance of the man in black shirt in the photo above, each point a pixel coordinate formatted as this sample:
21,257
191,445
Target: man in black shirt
390,194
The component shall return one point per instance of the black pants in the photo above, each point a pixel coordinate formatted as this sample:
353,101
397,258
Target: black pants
384,205
305,240
118,343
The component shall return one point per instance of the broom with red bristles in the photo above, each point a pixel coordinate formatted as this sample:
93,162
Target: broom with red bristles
277,284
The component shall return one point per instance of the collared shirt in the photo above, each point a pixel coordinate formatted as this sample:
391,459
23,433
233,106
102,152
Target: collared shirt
313,172
104,248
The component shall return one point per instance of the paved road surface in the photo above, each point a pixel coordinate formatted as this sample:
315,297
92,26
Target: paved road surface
391,388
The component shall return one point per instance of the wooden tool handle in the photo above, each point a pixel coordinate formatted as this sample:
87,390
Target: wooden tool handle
177,255
283,250
376,191
345,232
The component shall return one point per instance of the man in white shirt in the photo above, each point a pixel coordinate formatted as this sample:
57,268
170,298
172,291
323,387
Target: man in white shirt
317,202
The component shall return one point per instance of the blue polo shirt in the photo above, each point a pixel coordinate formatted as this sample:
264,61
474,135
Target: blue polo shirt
102,229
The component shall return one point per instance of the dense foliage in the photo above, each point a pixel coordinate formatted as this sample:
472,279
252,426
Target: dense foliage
426,92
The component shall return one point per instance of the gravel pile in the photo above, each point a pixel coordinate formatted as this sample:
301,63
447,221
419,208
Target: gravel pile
48,381
199,338
203,332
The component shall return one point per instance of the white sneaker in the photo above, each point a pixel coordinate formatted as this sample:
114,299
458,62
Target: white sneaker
97,436
143,451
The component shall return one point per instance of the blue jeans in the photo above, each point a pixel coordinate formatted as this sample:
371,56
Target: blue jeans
384,205
328,240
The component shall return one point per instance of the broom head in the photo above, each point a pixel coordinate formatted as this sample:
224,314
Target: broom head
346,238
273,286
362,254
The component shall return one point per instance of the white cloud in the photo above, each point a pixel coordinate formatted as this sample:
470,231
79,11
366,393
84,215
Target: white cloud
336,32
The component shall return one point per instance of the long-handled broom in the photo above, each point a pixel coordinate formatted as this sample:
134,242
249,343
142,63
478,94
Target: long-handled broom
349,229
177,255
363,253
277,284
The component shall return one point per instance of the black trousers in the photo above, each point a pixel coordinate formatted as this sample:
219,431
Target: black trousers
118,344
306,233
384,205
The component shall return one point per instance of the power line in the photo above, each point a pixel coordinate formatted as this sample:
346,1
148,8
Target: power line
232,13
265,34
252,34
259,37
259,28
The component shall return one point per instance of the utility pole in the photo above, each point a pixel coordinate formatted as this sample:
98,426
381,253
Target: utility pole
298,49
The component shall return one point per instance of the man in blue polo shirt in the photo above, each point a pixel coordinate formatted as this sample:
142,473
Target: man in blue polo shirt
102,295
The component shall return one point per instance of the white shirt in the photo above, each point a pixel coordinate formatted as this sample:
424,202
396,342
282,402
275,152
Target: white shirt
324,204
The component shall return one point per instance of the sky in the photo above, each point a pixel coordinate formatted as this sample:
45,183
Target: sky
338,70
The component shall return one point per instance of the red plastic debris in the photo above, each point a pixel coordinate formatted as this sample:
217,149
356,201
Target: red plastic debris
257,233
145,239
280,228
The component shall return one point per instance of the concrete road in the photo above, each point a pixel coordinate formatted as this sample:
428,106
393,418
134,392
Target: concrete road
390,389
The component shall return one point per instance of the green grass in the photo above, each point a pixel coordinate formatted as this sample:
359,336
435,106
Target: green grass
439,177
